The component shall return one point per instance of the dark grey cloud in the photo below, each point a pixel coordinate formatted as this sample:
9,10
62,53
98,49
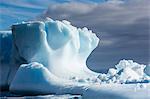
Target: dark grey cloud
123,28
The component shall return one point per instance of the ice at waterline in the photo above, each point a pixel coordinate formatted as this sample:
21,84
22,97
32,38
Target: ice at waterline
53,55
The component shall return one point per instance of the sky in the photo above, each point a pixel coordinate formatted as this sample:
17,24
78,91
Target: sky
123,26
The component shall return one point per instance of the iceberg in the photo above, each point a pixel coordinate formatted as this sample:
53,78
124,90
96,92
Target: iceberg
59,46
49,57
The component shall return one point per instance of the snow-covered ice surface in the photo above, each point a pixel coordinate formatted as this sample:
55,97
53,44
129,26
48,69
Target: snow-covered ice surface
126,71
104,91
118,91
49,57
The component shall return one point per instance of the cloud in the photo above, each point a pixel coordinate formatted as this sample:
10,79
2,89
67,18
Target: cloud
123,27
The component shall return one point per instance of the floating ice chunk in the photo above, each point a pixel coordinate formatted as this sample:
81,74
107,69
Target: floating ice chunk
138,68
127,72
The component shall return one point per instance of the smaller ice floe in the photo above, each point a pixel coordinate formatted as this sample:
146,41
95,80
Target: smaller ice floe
127,72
